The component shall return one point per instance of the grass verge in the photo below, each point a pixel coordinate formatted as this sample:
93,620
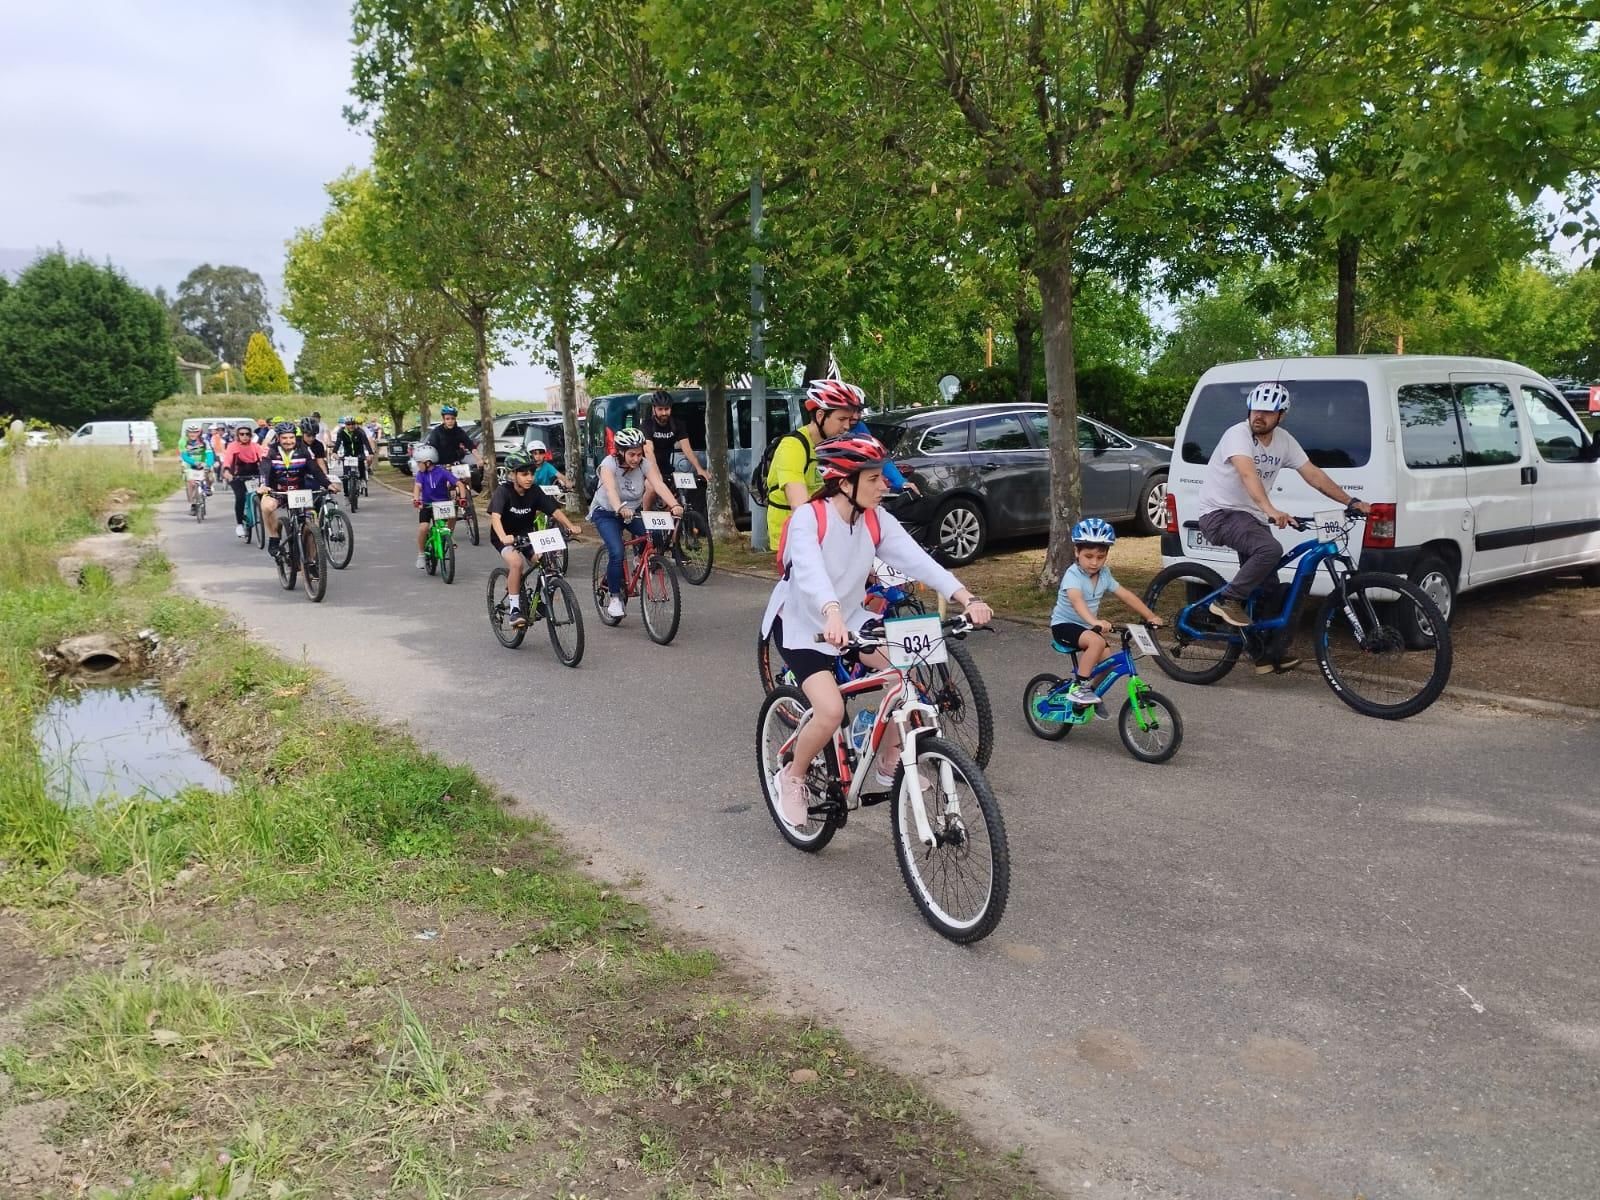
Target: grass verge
356,974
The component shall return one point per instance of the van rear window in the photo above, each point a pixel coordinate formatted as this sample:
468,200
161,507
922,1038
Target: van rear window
1331,418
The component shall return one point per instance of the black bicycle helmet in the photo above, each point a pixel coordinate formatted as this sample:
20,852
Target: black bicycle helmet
517,461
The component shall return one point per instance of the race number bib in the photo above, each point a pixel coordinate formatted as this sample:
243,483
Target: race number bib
661,522
1330,524
1142,639
914,641
461,471
251,485
889,576
553,490
546,541
299,498
683,479
444,510
194,476
351,462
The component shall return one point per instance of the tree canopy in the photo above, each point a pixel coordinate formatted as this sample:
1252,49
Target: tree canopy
222,306
263,369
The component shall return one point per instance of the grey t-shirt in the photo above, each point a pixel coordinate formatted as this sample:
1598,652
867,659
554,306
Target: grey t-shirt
630,486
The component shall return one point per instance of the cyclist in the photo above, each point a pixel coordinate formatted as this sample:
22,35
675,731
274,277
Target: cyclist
513,512
826,560
311,439
454,443
666,435
287,467
1075,620
431,484
352,440
240,461
196,455
263,433
1235,498
626,477
544,467
832,406
217,436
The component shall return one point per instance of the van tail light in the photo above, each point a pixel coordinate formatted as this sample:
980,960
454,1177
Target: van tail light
1379,534
611,441
1172,513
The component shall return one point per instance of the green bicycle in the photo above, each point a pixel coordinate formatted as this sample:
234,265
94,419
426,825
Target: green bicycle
439,549
1149,724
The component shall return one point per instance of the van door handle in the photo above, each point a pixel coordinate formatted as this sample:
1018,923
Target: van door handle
994,466
1530,474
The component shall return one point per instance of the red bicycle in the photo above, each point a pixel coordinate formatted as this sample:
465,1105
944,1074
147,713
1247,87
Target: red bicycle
648,574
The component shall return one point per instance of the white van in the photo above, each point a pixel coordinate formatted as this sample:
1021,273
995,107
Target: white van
116,433
1477,469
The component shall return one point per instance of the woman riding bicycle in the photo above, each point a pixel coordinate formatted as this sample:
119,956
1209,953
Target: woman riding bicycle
826,556
625,479
240,461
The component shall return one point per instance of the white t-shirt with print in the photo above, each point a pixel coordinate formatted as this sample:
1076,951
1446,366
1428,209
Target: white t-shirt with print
1223,489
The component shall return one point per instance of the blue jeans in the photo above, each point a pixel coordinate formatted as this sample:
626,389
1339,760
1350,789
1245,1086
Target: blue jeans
610,527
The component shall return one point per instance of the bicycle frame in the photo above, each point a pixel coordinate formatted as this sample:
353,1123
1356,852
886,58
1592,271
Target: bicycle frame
644,548
1104,676
439,536
1310,554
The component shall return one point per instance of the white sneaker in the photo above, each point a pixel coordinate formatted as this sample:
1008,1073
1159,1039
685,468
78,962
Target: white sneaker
614,609
422,562
238,531
791,794
1082,693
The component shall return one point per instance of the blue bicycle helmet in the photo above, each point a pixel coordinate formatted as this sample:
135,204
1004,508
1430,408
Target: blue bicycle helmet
1092,531
449,410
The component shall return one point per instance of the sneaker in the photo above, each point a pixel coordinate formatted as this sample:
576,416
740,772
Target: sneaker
422,562
1281,666
1230,611
518,621
238,531
273,547
614,609
1082,693
791,794
193,508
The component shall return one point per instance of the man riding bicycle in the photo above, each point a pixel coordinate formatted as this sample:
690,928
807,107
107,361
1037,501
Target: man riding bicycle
454,444
832,407
352,442
665,435
196,455
1235,498
287,467
514,512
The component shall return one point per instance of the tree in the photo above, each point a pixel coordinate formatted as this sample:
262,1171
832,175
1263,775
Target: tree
223,306
79,342
263,369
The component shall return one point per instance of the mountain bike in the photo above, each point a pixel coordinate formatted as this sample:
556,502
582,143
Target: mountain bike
254,530
646,574
1149,724
354,487
1382,644
302,551
469,511
948,834
196,483
690,544
558,558
954,687
338,533
439,547
545,596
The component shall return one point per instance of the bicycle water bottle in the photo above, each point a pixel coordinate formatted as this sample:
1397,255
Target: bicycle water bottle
861,729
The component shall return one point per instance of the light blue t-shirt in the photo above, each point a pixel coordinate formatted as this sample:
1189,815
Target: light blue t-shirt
1094,591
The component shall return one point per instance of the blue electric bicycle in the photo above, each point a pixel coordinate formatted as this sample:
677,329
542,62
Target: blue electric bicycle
1382,644
1149,724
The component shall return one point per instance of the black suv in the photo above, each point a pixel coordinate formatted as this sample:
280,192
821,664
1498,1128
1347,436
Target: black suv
984,471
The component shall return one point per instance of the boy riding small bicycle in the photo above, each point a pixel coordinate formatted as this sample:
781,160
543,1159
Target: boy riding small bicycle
1075,621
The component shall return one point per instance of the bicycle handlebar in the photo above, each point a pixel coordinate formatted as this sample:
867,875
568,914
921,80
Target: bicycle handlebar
1303,524
957,627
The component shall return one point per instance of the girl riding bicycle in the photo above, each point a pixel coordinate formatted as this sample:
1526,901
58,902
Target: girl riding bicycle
626,477
825,556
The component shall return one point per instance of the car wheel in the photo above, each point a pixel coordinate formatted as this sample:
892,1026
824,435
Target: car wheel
959,532
1150,517
1435,579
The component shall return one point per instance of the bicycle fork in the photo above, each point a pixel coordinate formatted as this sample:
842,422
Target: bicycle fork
909,735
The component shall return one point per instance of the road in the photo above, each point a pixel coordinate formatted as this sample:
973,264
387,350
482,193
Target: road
1315,955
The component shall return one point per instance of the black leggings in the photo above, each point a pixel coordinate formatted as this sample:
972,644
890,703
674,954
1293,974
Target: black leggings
237,484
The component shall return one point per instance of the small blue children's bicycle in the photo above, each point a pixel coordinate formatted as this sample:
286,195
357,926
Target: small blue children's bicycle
1149,723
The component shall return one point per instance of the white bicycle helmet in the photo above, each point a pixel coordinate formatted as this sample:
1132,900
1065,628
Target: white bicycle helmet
1092,531
1268,397
629,439
425,454
539,446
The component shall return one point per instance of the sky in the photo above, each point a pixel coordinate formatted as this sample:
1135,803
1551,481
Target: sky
170,133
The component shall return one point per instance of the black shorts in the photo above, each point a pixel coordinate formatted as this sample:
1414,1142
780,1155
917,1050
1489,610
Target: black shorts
807,662
425,513
1067,633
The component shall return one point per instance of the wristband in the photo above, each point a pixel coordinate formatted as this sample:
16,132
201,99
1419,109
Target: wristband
834,604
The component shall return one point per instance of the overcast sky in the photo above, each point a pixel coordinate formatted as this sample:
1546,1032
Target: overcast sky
169,133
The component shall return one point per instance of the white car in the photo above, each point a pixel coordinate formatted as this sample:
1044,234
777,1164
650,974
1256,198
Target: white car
1477,469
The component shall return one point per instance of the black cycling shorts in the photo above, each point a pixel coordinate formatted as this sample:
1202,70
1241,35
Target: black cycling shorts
1067,633
807,662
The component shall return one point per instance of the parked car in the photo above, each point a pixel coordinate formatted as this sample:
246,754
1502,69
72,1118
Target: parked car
984,472
1477,469
543,427
116,433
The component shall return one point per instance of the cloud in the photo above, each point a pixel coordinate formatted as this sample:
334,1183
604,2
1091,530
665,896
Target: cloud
110,199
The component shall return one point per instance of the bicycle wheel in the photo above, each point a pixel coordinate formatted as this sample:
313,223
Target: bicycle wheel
780,716
563,620
1362,648
287,560
1156,737
774,672
602,594
660,601
352,491
313,561
1051,729
1186,658
340,536
956,689
500,611
447,563
199,505
258,529
472,521
692,548
961,883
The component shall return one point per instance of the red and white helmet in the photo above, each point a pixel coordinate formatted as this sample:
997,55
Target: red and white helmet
828,395
850,454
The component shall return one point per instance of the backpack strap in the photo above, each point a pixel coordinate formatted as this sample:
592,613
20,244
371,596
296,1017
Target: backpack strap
820,508
780,502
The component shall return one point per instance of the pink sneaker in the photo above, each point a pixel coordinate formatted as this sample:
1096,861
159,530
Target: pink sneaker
791,793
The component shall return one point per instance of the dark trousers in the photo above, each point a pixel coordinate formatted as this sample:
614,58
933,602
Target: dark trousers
1252,539
237,485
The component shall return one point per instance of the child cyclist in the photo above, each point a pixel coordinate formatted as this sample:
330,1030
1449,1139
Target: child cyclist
1075,620
827,552
431,484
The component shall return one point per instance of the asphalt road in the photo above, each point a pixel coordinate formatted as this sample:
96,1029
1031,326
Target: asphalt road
1315,955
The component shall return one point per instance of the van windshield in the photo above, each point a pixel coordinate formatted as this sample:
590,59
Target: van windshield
1330,418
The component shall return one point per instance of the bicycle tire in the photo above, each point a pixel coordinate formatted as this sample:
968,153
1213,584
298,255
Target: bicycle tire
660,600
340,535
199,506
1128,727
563,621
692,547
956,709
602,594
503,631
313,561
352,490
775,724
258,527
472,522
769,662
1385,644
1176,587
913,856
286,561
1037,689
447,563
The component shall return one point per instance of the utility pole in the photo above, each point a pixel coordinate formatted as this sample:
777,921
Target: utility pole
758,357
